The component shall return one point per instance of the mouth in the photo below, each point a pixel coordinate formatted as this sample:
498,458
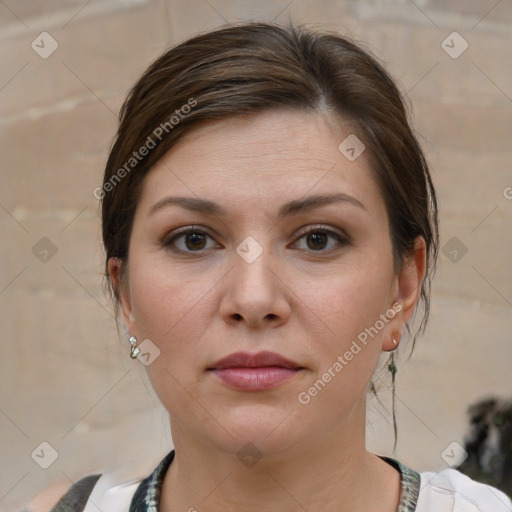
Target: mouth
254,372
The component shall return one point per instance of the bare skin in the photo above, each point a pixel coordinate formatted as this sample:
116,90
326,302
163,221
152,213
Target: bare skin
306,297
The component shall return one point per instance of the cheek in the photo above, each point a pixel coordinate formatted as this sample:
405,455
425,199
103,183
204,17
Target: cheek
172,314
345,311
347,356
349,299
161,295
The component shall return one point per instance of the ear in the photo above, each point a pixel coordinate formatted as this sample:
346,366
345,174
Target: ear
122,293
406,293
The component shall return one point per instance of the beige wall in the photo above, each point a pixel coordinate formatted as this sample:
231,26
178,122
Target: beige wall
65,377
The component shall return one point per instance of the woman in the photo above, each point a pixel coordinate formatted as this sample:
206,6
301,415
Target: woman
270,228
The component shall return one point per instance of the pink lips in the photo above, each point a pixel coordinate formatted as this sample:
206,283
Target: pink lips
254,372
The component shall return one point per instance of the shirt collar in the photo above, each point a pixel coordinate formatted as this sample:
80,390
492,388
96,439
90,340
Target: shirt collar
147,495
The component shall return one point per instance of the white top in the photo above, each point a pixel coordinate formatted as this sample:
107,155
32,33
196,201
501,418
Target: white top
450,490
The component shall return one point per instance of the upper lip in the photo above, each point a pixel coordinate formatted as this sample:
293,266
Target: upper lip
259,360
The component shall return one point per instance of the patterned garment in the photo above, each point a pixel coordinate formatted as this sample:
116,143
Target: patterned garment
147,495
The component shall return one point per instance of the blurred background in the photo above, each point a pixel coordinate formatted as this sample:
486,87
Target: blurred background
72,402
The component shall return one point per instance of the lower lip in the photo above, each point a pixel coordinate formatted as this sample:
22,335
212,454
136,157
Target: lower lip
255,379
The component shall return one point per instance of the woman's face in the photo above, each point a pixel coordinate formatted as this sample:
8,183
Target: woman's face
249,278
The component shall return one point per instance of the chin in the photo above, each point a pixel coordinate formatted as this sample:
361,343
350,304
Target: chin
269,429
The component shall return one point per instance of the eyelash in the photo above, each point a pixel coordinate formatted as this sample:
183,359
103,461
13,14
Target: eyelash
342,241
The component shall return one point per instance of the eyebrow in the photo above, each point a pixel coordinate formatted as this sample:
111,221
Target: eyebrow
294,207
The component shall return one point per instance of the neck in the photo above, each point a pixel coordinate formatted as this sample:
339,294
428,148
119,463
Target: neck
331,472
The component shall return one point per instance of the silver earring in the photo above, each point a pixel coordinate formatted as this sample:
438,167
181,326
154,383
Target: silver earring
395,342
135,351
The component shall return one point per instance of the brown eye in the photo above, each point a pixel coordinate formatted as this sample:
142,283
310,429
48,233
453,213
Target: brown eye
188,240
195,240
317,239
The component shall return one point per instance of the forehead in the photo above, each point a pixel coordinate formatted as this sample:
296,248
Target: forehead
270,156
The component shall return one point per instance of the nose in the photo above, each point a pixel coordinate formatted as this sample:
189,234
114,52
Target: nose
255,293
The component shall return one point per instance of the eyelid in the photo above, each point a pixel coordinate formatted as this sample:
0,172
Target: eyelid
184,230
321,227
341,237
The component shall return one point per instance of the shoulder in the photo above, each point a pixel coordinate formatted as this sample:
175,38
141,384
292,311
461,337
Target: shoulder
46,499
112,490
452,490
63,496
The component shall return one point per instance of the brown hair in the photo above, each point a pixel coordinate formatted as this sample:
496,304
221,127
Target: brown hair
248,68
